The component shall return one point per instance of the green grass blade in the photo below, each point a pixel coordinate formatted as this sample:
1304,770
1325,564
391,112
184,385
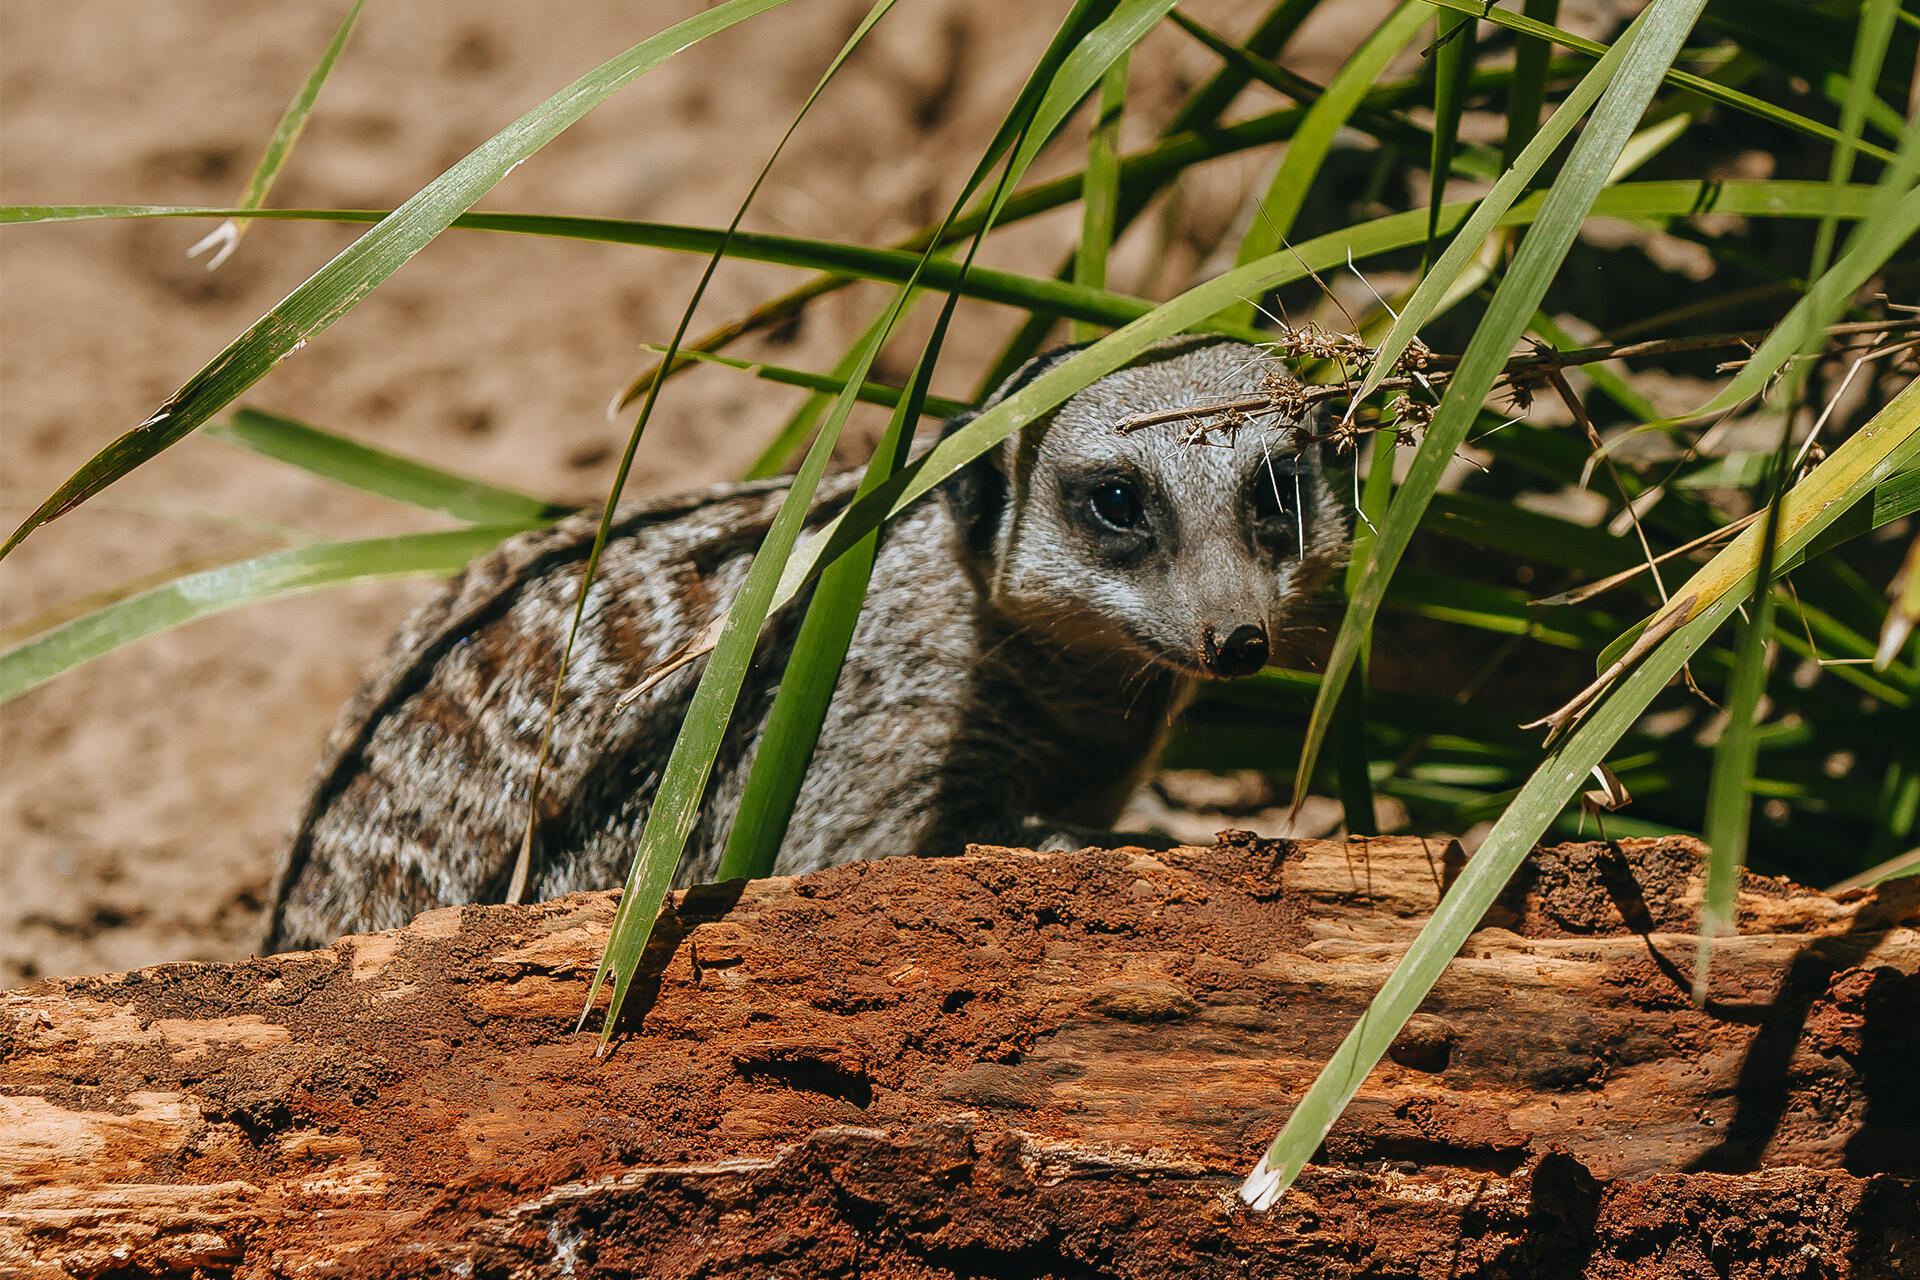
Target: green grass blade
1869,51
1194,134
1818,43
1191,310
1891,222
523,865
1876,455
1898,627
1729,790
338,286
806,686
1527,92
1895,496
1897,819
1277,209
1488,214
370,470
1654,41
225,238
1251,66
1875,241
1553,784
1738,470
1044,92
1769,198
94,601
1082,70
1742,102
1351,764
1391,128
1452,65
1729,800
1545,794
1266,40
883,394
1052,92
892,266
1142,175
272,577
1501,610
1100,197
1350,721
1194,138
778,454
1648,143
1533,536
683,780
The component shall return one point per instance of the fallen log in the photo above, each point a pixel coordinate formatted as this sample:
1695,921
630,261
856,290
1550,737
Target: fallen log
1008,1064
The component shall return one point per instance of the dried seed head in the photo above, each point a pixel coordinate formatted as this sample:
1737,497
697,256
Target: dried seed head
1522,383
1410,417
1285,392
1404,408
1312,341
1344,435
1199,427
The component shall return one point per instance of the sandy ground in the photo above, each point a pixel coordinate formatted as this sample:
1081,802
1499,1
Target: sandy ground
143,795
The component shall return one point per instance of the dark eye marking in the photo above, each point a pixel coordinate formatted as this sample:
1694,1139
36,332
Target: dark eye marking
1274,500
1269,498
1272,492
1116,504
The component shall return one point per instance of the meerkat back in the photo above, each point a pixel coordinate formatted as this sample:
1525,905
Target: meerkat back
421,795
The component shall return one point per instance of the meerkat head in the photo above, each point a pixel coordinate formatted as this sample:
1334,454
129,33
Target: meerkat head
1160,545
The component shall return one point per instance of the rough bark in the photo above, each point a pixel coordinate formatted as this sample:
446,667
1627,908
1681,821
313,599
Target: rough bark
1008,1064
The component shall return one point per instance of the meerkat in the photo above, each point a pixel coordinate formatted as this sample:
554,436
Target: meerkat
1031,630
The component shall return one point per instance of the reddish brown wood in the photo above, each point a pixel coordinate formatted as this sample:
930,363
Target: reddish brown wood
1008,1064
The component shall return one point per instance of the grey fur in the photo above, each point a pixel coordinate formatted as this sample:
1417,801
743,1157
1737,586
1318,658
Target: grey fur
1018,660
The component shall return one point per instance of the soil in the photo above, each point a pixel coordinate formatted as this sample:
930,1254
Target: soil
143,796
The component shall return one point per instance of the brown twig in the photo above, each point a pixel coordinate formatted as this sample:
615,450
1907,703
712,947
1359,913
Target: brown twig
1429,371
1659,629
1581,595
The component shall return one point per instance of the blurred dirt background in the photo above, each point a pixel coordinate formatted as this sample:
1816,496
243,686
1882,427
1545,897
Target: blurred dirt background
143,796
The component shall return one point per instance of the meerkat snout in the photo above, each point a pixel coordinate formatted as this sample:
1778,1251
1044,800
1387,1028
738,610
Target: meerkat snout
1242,653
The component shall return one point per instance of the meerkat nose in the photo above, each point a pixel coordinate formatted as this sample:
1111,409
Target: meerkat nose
1242,653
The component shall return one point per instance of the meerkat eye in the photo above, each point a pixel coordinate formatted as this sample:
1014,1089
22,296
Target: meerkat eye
1117,504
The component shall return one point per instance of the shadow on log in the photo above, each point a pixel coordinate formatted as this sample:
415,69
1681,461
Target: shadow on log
1003,1065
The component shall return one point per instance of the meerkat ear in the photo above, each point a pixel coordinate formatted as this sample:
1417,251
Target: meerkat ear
976,493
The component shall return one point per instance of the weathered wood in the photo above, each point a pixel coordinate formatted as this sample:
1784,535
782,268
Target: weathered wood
1004,1064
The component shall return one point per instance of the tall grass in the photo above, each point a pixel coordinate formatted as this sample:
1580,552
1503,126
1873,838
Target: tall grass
1460,344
